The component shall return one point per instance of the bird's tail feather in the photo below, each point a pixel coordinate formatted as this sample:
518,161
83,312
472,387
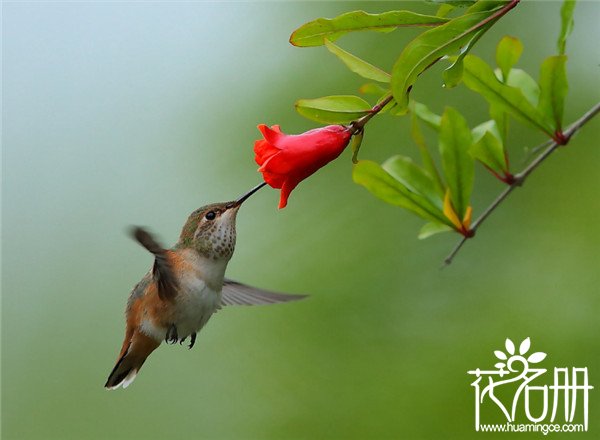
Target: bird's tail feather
134,353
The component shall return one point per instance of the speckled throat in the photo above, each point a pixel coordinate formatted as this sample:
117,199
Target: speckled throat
210,231
217,241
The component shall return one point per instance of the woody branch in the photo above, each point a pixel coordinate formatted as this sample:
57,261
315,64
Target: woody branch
519,179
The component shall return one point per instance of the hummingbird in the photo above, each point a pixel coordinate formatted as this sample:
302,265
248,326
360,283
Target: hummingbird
185,287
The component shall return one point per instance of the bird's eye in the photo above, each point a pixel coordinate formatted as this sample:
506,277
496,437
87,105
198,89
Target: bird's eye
210,215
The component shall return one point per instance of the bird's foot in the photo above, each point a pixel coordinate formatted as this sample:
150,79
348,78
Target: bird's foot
192,340
171,337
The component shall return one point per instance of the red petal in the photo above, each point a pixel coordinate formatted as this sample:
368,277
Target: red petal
286,189
263,151
274,180
272,135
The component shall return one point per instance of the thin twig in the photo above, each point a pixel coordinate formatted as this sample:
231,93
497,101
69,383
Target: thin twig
520,178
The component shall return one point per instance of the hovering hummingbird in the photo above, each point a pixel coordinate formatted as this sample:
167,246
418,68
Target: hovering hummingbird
186,285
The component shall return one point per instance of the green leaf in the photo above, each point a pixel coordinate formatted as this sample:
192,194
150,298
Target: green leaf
433,228
355,145
396,111
453,3
454,140
383,186
523,81
373,89
358,65
479,77
508,52
452,75
500,117
429,47
488,148
444,10
553,89
333,109
429,164
489,151
314,32
482,128
487,5
567,24
415,178
422,112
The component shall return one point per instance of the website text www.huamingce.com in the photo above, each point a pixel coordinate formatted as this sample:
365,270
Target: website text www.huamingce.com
531,427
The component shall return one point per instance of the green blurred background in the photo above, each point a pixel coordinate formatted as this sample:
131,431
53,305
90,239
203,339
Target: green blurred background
137,113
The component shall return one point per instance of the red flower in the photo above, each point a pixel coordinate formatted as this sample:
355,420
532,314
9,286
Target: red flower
286,160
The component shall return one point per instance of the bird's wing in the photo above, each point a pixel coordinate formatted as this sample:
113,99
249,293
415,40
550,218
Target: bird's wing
235,293
161,271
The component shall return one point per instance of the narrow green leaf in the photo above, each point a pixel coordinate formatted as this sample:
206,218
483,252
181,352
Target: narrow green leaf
508,52
428,162
453,3
444,10
523,81
333,109
355,145
482,128
433,228
489,151
479,77
373,89
429,47
383,186
391,107
567,24
454,141
415,178
529,87
357,65
422,112
397,111
500,117
486,5
314,32
553,89
452,75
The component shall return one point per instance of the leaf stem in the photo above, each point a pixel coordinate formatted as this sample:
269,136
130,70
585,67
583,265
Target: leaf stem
519,179
358,125
497,14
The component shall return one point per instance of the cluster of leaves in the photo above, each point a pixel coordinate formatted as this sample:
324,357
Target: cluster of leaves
442,197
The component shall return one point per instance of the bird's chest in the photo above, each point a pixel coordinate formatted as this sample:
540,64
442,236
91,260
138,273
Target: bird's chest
196,302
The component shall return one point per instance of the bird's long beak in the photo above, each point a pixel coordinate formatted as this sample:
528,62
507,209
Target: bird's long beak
243,198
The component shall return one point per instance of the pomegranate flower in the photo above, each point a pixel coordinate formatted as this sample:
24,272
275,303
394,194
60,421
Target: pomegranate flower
285,160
